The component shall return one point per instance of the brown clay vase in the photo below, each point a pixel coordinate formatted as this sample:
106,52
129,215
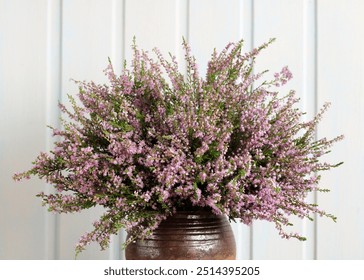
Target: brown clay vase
187,235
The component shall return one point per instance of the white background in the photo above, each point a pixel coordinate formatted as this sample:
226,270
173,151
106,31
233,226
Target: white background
43,44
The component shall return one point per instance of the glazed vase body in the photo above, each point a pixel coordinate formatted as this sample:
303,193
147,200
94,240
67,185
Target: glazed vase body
187,235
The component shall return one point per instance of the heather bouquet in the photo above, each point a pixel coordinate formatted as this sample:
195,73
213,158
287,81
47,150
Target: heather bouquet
156,140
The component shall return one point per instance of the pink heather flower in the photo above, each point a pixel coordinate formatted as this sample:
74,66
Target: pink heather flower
154,141
283,77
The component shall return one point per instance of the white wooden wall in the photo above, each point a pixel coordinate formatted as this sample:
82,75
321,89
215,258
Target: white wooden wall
43,44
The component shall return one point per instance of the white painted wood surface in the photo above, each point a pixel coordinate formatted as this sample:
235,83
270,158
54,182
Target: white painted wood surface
340,80
43,44
22,125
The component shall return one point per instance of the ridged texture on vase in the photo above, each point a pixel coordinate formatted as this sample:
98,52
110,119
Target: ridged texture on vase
188,235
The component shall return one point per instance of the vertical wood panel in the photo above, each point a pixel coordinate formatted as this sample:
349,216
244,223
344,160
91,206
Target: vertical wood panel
244,234
281,19
213,24
22,125
150,31
86,46
53,97
340,81
309,105
117,57
182,20
154,24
